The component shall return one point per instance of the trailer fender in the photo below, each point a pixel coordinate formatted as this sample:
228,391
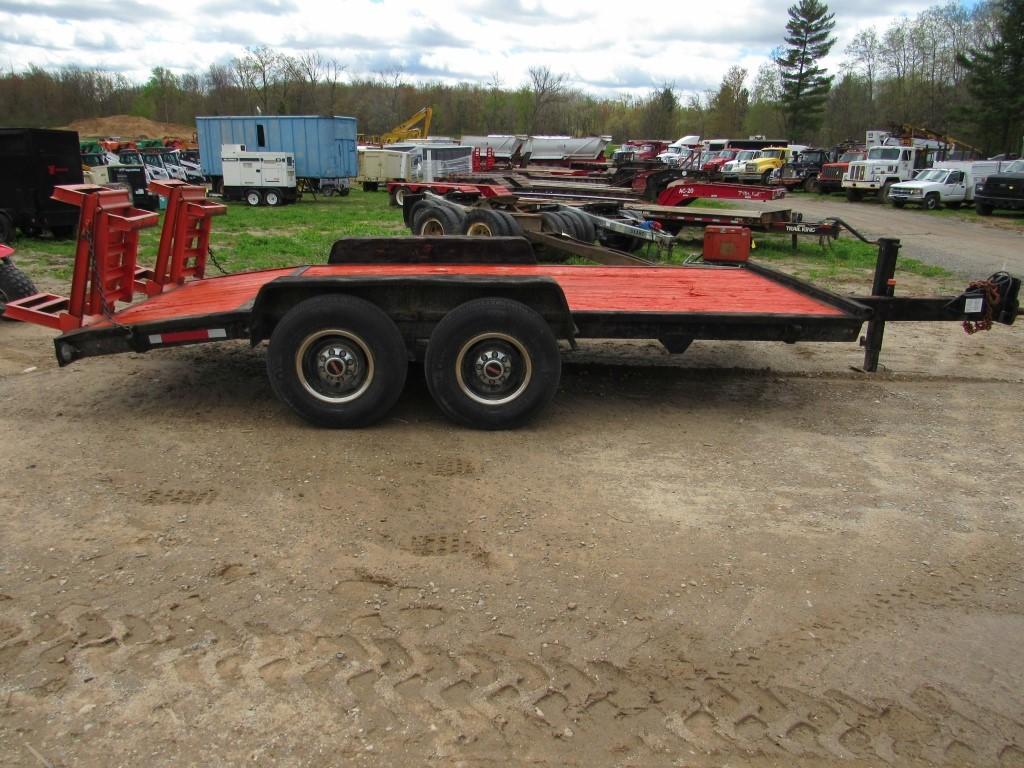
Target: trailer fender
415,303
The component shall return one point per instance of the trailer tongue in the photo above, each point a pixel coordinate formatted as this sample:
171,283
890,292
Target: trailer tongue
483,316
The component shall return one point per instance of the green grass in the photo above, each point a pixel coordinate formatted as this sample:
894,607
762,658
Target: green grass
843,258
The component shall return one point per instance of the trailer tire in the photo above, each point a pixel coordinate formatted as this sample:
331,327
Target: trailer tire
492,364
514,230
14,284
399,196
343,191
931,201
272,197
553,223
433,220
584,225
7,229
337,361
482,222
253,197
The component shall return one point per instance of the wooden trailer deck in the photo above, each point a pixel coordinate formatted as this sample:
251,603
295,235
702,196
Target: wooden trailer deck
662,290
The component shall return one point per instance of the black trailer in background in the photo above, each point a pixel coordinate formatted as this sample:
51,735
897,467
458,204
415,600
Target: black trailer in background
32,162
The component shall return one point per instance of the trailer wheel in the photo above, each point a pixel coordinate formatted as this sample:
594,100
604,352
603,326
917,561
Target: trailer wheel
584,226
7,231
492,364
433,220
511,224
272,197
253,197
482,222
931,201
337,361
14,284
554,223
399,196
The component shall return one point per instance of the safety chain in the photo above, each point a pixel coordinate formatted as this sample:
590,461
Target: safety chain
216,263
991,294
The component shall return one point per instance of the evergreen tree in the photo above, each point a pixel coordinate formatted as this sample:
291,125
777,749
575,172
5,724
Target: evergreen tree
805,86
995,81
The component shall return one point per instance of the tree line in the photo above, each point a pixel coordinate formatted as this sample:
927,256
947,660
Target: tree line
953,70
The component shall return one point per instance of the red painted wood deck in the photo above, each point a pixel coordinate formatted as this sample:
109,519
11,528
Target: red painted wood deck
587,289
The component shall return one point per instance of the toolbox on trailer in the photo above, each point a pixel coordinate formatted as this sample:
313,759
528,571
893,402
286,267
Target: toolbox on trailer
481,314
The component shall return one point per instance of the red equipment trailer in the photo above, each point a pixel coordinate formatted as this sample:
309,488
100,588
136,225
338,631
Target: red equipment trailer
483,316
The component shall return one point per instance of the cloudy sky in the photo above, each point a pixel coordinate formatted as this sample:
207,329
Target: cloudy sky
604,47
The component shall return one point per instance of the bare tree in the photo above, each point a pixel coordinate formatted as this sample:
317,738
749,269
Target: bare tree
547,89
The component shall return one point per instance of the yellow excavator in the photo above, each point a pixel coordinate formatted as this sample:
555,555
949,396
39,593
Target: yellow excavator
415,127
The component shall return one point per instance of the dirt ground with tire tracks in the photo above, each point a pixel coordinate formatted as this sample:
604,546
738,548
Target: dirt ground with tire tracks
748,555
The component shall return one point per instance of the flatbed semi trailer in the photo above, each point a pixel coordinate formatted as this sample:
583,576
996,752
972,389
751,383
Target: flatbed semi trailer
481,314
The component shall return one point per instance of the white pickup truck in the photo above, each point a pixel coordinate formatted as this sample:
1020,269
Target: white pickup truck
934,187
950,184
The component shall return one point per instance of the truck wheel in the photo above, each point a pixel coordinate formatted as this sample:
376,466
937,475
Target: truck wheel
854,195
983,209
481,222
765,178
884,193
492,364
337,361
399,196
253,197
433,220
272,197
931,201
811,185
14,284
7,231
343,191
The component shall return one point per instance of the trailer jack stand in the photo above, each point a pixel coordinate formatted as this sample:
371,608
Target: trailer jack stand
884,285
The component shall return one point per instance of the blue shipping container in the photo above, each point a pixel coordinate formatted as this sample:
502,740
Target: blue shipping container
324,146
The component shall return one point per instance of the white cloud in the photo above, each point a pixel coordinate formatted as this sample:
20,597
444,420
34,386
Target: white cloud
605,48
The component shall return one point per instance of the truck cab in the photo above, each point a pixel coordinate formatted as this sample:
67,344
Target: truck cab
883,167
1001,190
830,177
933,187
759,168
732,169
802,170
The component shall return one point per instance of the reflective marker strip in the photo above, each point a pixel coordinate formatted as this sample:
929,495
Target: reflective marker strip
204,334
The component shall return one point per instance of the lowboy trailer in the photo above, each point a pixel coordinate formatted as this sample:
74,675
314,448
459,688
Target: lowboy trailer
480,313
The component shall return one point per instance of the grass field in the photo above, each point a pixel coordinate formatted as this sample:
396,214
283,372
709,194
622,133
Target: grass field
256,238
